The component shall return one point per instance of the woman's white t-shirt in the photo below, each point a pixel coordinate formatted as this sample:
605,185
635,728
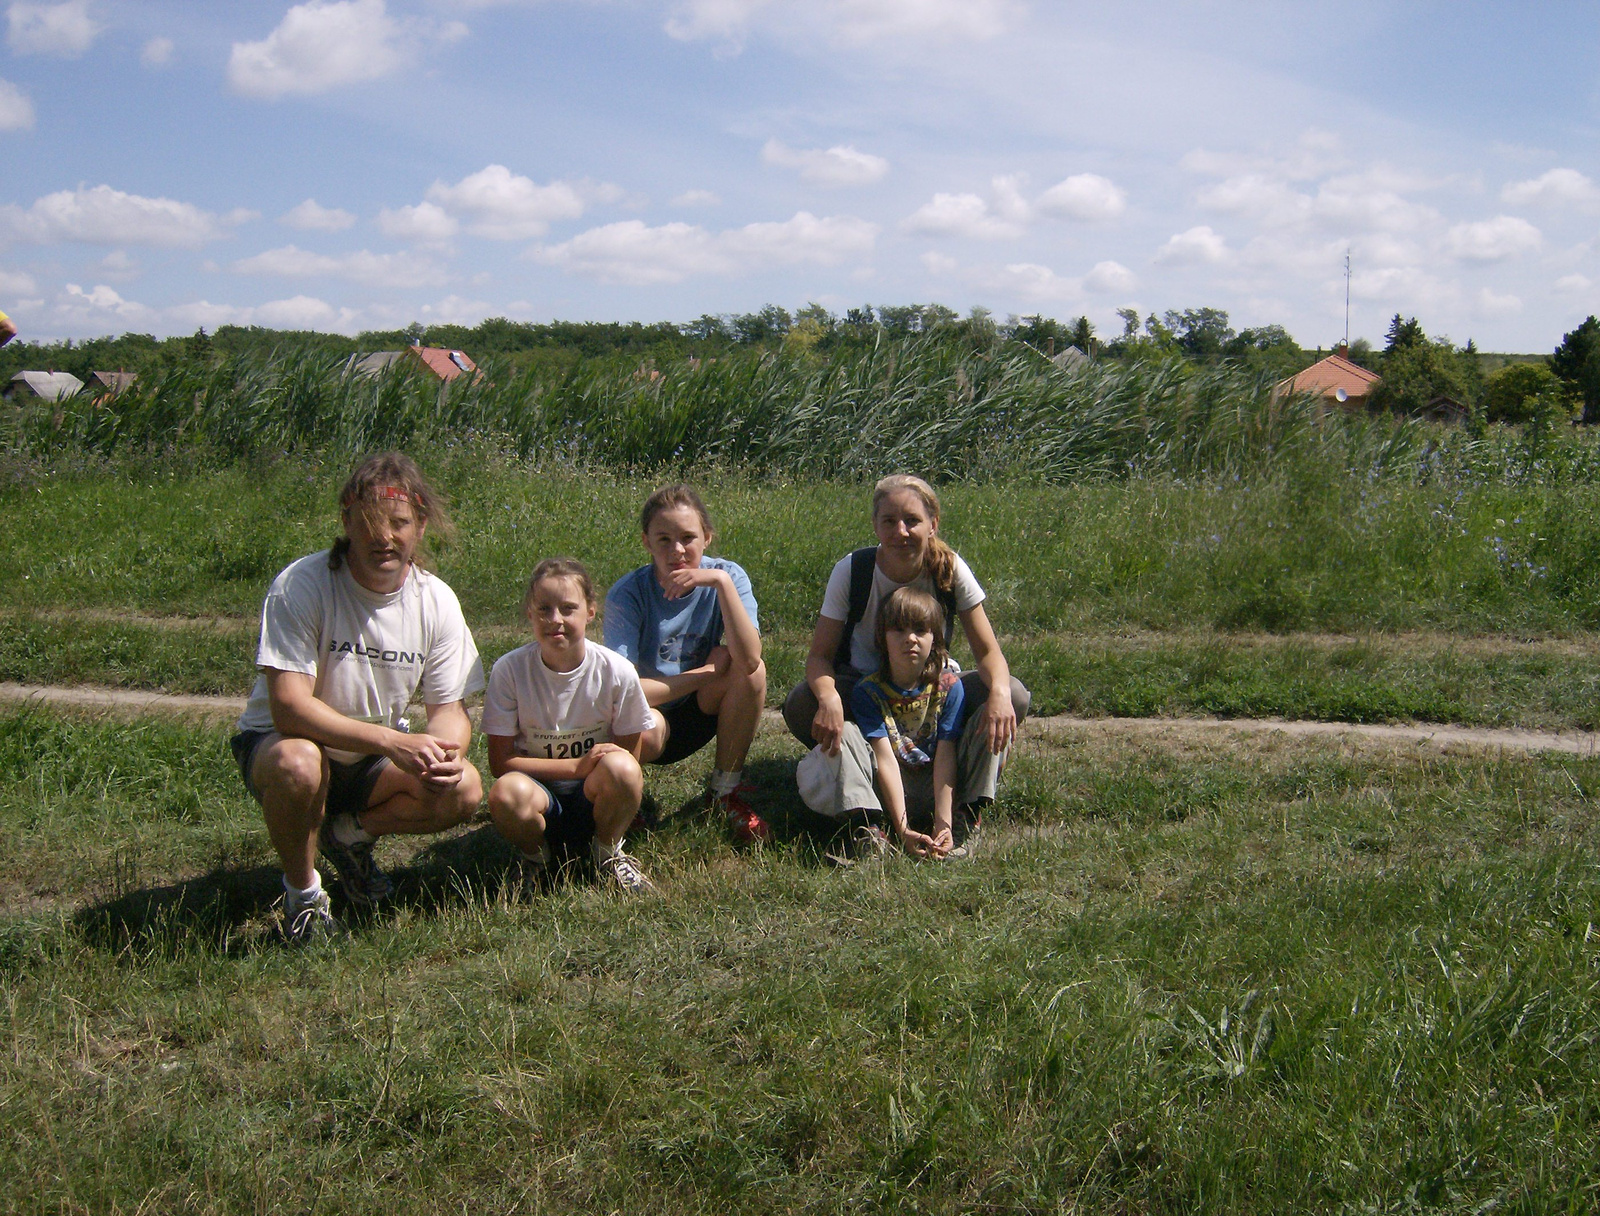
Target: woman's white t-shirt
561,715
368,652
863,648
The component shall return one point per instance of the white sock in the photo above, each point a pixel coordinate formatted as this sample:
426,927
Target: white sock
723,784
300,898
602,850
541,858
347,829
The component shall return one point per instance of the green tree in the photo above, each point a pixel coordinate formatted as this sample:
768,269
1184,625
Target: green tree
1403,335
1577,364
1201,333
1521,392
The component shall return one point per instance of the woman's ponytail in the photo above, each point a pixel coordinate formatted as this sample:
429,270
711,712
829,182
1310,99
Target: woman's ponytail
941,564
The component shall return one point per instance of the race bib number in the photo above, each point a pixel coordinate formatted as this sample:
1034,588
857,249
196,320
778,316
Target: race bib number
564,744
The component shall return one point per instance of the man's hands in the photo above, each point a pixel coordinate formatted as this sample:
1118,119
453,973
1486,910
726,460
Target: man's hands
437,762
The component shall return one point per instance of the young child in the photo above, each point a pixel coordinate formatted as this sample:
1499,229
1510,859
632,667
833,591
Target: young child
909,552
687,622
564,719
908,716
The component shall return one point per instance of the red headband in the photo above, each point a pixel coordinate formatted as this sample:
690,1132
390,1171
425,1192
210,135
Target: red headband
400,492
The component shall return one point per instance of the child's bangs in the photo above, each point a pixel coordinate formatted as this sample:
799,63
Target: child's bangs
913,611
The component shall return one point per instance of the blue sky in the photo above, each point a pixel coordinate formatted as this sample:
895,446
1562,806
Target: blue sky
351,164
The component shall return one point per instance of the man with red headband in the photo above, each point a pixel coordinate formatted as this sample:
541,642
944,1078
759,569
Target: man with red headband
348,636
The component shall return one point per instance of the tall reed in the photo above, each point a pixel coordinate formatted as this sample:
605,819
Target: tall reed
945,407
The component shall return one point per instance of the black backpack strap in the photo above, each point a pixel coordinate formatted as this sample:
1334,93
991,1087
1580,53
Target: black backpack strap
862,562
947,600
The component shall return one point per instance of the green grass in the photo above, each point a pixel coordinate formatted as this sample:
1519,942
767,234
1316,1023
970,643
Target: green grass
1470,605
1266,977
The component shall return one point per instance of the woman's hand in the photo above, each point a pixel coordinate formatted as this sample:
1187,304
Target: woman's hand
998,719
943,841
827,726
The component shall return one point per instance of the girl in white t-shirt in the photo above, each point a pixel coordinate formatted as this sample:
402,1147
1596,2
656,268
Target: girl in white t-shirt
910,552
564,717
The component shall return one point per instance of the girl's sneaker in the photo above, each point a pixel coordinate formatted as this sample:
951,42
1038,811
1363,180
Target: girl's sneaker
616,869
746,825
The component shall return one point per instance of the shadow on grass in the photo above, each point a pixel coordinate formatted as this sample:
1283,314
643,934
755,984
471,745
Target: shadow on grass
234,910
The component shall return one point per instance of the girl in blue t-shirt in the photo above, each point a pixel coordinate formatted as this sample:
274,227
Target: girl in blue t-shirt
910,713
687,622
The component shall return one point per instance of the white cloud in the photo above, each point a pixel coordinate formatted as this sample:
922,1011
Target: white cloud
842,22
1197,246
940,263
102,299
1038,283
323,44
362,266
1504,236
16,111
697,198
1573,283
1084,196
301,312
65,29
103,216
117,264
1495,305
424,224
841,165
1109,277
14,283
456,310
1558,187
156,53
631,252
312,216
962,215
297,312
506,206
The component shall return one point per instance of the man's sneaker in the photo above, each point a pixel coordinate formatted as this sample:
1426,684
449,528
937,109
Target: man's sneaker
364,883
307,923
746,825
622,872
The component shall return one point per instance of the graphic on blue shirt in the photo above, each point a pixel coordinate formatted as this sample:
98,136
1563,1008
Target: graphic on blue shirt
663,637
912,719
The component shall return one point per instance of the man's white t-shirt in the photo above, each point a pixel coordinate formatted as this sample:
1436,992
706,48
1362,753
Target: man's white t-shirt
561,715
863,648
369,653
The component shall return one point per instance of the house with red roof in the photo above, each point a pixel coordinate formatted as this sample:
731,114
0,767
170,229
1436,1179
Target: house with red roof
1336,381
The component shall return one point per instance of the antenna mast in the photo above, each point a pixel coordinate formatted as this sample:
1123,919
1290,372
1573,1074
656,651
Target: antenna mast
1347,301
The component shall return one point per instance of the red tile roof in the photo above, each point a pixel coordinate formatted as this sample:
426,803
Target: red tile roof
1327,377
445,363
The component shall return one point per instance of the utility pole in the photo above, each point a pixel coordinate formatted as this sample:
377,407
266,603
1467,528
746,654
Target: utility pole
1347,302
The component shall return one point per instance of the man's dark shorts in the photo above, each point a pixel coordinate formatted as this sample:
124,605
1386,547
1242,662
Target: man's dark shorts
350,786
689,728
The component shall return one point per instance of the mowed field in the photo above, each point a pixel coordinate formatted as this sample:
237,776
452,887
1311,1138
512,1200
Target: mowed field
1183,973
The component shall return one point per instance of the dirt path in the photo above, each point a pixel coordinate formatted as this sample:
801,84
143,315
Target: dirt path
1578,743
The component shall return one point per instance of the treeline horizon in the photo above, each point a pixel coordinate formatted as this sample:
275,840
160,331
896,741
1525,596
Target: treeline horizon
1417,371
1199,333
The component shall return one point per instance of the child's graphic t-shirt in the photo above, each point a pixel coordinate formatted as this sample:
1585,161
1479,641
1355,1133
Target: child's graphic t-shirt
912,719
